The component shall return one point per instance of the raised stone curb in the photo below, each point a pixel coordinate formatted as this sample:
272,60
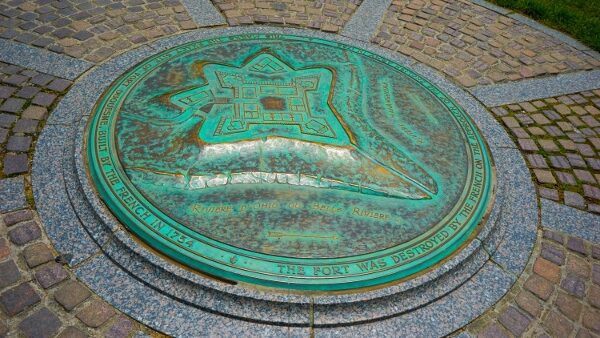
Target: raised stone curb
204,13
42,60
363,24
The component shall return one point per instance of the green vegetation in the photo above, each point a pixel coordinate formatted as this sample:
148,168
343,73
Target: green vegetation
578,18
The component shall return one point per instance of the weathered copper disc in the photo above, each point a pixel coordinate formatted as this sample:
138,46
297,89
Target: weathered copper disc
290,162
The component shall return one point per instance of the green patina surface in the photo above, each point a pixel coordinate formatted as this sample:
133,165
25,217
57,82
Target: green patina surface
289,162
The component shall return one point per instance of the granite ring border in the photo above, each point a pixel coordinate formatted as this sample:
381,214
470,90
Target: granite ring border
104,231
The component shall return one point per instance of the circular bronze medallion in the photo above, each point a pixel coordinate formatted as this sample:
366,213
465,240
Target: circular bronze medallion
290,162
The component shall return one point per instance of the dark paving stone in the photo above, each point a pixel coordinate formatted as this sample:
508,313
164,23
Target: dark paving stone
43,99
576,244
9,274
553,235
63,33
25,126
27,92
19,143
16,164
537,161
41,324
71,294
42,79
18,216
550,194
574,286
96,313
591,191
12,105
574,199
59,85
584,176
3,329
18,298
15,79
6,91
37,254
7,120
72,332
3,135
596,252
566,178
559,162
25,233
120,329
553,254
51,275
4,248
514,320
493,331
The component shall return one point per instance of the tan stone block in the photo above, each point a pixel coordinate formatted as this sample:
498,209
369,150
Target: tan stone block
80,25
557,325
529,303
569,306
594,296
591,319
466,81
578,266
547,269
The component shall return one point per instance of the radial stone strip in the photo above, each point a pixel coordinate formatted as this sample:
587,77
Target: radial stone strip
366,19
532,89
570,220
204,13
42,60
12,194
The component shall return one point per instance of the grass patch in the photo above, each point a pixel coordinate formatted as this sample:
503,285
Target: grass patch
578,18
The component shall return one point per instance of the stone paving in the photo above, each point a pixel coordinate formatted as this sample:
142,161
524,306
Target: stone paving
557,296
561,139
474,45
326,15
93,30
39,297
26,97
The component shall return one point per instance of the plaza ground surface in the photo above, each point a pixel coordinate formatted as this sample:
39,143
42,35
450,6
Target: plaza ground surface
543,88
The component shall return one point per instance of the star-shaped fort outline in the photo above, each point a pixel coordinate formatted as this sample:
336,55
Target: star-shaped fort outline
205,102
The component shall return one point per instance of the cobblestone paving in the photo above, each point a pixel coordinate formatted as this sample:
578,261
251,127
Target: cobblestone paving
93,30
473,44
560,138
39,297
557,296
326,15
26,96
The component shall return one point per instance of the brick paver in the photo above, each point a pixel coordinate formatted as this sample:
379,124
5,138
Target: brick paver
326,15
93,30
551,299
560,137
475,45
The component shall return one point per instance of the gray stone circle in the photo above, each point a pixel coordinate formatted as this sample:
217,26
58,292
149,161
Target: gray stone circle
128,275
